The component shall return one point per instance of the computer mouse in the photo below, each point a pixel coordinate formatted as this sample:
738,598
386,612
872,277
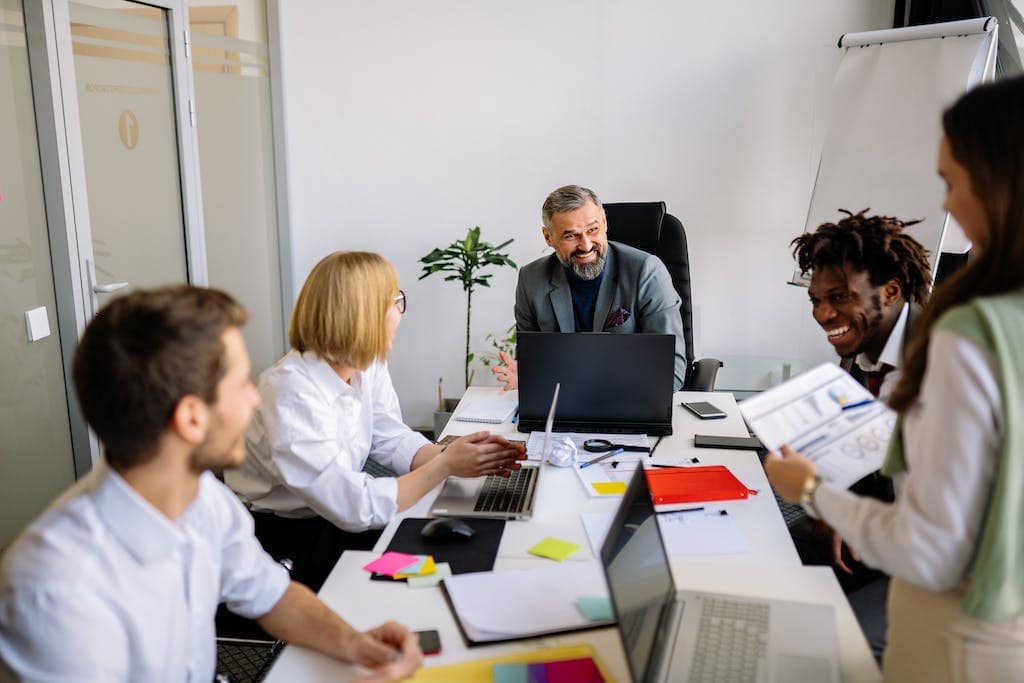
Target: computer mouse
447,530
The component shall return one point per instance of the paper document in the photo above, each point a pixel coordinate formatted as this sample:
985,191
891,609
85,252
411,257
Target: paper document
489,409
826,415
606,478
502,605
710,531
535,444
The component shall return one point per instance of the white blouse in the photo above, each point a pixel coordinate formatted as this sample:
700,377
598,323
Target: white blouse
951,437
308,442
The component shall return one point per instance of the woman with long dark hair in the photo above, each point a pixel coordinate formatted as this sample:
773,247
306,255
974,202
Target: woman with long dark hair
953,539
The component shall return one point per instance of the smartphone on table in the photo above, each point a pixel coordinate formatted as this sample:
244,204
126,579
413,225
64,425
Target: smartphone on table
704,410
430,641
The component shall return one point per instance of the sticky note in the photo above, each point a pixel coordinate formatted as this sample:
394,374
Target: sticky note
424,567
610,488
512,672
390,563
595,609
554,548
441,571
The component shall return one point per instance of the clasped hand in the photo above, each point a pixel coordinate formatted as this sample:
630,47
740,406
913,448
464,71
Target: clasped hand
483,453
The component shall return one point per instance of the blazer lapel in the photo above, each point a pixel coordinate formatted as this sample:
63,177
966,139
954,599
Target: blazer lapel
561,298
606,293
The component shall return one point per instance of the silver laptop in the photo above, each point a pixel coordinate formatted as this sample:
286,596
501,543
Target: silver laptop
688,636
493,496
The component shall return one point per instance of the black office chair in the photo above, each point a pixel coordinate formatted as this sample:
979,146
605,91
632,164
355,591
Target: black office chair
647,226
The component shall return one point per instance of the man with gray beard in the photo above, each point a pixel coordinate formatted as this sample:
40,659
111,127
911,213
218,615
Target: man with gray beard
590,284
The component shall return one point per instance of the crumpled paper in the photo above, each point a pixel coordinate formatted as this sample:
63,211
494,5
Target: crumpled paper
562,452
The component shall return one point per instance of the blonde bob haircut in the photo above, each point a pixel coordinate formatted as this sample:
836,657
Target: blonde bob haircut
340,312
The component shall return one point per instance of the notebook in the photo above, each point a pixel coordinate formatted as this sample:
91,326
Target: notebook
611,383
695,485
697,636
489,409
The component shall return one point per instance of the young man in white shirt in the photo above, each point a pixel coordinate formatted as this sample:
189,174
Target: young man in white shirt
869,280
121,577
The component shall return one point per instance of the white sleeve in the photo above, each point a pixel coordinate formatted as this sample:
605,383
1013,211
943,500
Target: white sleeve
316,463
61,633
394,443
251,582
951,438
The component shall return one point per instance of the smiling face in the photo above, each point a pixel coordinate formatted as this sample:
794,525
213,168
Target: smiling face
580,239
856,316
237,399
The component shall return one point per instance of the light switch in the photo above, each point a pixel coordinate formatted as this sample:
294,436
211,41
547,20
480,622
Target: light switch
37,323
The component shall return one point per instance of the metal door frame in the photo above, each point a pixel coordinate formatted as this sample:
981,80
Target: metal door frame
55,95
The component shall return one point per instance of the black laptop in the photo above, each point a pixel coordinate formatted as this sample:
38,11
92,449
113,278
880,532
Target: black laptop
611,383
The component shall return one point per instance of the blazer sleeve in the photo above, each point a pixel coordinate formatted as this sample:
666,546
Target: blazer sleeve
659,311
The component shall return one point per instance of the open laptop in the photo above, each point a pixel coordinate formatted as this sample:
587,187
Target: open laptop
493,496
689,636
611,383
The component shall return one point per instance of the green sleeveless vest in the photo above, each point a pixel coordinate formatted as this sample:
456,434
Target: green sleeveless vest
995,324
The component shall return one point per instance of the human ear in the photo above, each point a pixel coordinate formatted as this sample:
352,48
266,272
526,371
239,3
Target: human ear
893,291
547,236
190,419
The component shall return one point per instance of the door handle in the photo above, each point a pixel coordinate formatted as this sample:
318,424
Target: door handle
108,288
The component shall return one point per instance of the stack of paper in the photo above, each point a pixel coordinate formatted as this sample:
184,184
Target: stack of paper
504,605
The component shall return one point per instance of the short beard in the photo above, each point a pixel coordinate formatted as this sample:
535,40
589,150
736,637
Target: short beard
585,271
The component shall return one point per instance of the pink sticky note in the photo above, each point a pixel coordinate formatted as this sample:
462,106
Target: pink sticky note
391,563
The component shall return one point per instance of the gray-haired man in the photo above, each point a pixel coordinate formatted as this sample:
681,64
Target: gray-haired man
590,284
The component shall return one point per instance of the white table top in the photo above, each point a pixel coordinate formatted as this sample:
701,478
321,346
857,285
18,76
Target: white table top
772,568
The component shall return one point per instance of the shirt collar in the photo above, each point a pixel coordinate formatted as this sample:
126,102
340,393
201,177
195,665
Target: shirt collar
893,346
327,379
142,529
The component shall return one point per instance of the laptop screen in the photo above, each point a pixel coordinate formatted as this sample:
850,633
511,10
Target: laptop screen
620,380
639,579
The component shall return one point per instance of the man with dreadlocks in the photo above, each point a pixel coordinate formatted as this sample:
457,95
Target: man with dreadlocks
869,280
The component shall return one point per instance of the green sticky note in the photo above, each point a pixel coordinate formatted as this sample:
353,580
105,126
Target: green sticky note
595,609
554,548
513,672
441,571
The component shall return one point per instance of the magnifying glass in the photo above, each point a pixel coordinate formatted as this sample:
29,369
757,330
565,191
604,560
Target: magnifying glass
602,445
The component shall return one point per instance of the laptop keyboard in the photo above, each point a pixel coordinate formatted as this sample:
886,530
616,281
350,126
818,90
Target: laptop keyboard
506,494
790,513
732,641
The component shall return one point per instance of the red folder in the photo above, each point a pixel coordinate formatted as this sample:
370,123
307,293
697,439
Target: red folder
695,485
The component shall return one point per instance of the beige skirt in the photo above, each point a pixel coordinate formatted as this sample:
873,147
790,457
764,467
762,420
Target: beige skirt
931,639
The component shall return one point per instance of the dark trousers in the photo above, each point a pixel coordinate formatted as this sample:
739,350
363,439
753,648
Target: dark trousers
313,545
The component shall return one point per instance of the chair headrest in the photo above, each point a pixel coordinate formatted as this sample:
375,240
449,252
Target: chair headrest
636,223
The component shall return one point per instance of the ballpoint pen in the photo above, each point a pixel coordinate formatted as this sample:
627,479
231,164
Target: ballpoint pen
600,458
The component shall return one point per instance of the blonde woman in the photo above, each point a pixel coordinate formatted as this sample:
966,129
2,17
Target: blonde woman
327,406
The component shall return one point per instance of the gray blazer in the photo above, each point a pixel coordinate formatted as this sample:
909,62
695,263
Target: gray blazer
633,280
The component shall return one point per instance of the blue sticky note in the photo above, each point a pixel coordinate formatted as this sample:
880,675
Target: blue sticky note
513,672
595,609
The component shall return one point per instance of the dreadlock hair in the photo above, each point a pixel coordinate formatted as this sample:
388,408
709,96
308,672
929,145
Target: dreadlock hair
876,244
985,136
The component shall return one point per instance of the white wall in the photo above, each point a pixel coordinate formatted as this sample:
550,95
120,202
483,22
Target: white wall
407,123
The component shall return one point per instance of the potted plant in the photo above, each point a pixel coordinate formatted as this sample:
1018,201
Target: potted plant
464,261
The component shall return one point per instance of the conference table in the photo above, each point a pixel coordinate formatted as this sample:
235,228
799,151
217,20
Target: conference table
772,568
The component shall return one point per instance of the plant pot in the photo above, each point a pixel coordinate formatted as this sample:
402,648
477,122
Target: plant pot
441,417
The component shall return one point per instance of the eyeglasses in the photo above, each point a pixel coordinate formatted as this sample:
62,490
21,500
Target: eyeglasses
400,302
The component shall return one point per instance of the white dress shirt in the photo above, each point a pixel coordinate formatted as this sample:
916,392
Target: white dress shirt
951,441
308,442
891,353
104,587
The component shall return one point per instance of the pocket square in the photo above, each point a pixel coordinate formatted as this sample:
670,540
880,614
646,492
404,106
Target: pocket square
617,318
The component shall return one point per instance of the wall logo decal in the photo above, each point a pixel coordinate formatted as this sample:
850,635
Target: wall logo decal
128,129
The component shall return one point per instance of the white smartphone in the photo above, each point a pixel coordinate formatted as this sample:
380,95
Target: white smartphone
704,410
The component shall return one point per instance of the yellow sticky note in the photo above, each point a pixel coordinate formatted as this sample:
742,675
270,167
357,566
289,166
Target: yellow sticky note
554,548
610,488
427,569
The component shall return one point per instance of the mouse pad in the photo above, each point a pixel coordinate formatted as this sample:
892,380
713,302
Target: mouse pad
475,555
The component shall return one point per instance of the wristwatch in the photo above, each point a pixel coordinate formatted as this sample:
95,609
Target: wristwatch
807,496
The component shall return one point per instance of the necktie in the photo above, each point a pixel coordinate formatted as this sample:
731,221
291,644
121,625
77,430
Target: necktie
874,379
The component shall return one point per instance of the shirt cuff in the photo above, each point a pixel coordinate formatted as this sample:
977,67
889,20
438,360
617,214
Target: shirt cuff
408,448
834,505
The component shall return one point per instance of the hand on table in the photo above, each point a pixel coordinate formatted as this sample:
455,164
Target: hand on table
483,453
508,372
788,474
391,650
